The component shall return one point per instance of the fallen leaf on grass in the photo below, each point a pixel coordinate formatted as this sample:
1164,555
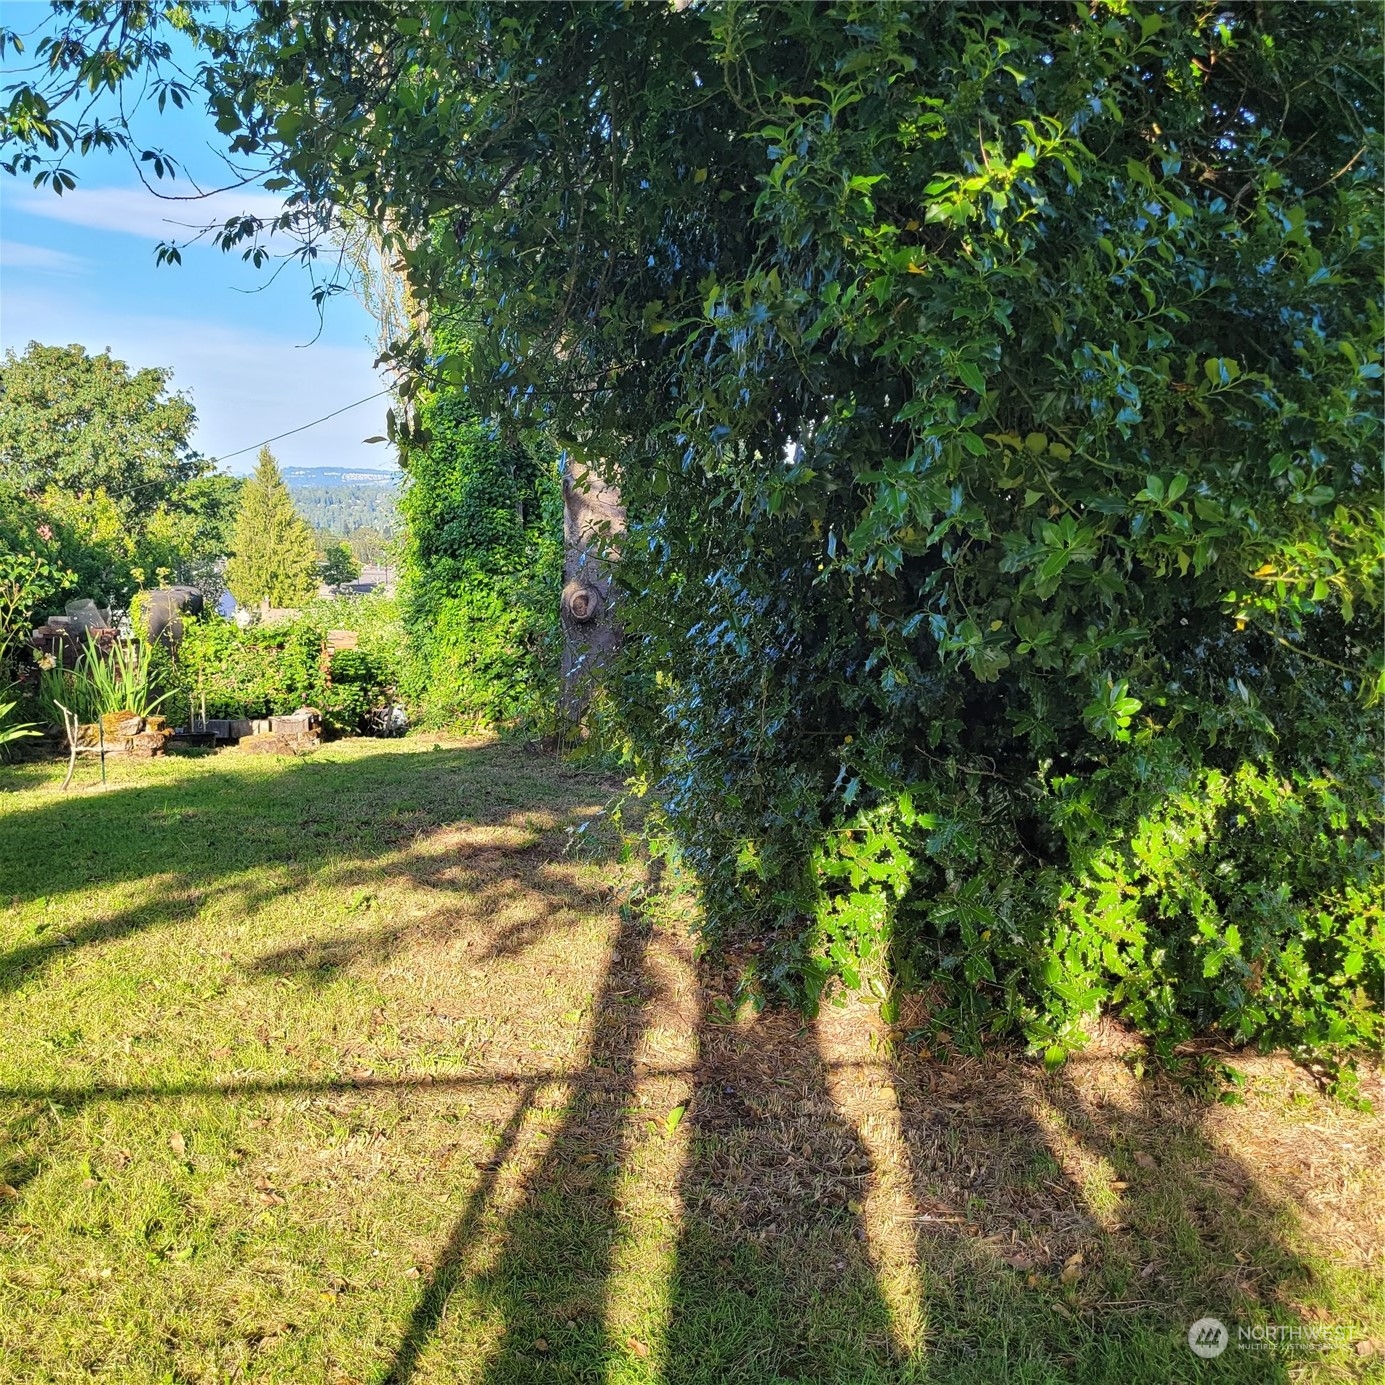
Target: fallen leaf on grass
673,1118
1146,1161
1366,1347
178,1144
540,1344
637,1347
8,1191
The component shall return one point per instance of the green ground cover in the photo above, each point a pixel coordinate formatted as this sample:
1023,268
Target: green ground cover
360,1067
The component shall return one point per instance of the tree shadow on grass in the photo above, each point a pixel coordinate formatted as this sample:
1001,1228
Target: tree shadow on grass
643,1242
843,1217
829,1207
539,1269
855,1212
776,1278
1073,1226
453,821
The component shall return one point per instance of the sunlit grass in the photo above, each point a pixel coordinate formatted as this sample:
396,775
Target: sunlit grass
346,1069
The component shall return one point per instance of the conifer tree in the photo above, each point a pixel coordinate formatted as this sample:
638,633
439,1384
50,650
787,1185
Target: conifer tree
273,554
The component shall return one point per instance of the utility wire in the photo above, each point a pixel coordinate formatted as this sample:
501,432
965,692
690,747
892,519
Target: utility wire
130,491
226,456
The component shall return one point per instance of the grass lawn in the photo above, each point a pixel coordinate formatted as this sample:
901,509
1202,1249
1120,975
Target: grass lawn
346,1068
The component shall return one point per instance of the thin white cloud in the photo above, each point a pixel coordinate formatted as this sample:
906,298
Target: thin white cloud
138,212
246,384
40,259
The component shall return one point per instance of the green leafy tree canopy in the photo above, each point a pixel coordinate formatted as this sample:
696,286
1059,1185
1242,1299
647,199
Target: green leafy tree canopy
99,478
338,566
86,422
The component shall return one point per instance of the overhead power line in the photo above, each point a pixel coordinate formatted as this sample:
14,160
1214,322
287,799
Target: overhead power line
254,446
162,481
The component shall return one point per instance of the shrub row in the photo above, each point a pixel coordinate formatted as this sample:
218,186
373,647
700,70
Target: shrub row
272,670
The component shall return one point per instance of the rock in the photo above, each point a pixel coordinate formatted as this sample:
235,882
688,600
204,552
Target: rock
263,745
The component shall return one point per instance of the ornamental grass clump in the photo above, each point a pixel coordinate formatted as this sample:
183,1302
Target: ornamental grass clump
115,684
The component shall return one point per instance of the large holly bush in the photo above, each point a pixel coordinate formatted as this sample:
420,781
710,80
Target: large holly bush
994,390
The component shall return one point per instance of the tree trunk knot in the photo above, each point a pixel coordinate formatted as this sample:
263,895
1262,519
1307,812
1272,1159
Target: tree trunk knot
582,603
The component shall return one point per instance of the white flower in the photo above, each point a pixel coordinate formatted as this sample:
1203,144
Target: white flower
47,661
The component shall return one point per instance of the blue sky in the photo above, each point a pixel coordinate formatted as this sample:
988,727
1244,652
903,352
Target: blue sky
80,268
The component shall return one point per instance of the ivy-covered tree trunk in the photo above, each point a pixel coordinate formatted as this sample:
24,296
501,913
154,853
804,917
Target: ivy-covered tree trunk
593,521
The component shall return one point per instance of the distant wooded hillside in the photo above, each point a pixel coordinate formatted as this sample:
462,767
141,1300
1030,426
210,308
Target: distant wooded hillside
341,500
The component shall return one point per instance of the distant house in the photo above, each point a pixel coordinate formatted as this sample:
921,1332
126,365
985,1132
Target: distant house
372,576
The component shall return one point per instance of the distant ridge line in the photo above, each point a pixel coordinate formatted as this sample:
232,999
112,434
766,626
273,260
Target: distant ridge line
300,476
